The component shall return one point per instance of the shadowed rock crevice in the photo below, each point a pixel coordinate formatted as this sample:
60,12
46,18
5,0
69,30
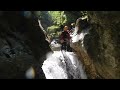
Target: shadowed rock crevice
22,45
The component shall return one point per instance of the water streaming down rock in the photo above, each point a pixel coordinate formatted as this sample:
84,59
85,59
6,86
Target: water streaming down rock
54,67
74,67
63,66
80,46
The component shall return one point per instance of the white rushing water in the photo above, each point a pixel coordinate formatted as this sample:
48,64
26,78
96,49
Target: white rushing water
58,67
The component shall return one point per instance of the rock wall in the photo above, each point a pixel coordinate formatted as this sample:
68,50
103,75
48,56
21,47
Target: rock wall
102,45
22,45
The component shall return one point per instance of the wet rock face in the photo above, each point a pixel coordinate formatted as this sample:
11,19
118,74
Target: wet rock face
22,45
103,44
100,48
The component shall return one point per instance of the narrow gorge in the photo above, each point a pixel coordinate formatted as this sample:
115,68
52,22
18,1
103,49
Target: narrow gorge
30,46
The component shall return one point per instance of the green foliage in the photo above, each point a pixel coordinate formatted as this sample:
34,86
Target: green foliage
53,29
52,20
58,17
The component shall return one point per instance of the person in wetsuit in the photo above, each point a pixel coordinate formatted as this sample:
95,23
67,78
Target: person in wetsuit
65,39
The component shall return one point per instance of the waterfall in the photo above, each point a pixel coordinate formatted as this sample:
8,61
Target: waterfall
63,66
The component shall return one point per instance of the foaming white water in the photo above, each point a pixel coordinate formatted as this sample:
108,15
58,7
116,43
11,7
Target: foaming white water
76,37
56,66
